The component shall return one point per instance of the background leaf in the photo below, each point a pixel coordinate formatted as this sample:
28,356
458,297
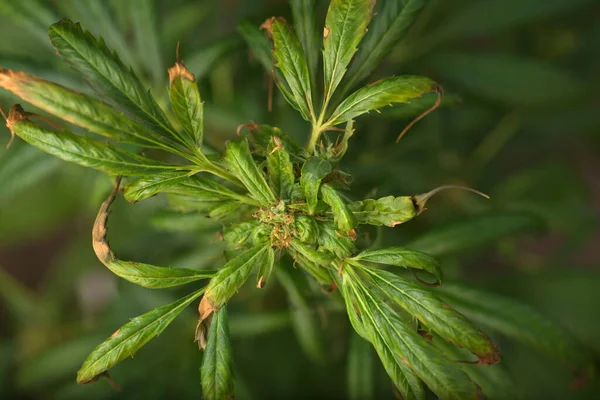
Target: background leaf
217,362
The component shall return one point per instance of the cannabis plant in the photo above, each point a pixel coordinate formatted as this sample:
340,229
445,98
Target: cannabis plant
280,206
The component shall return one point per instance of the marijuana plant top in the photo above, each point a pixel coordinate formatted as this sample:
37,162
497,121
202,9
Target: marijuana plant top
281,205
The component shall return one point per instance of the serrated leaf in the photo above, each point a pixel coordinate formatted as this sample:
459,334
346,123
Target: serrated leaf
225,211
204,188
391,21
401,257
389,211
265,268
280,170
217,362
437,315
127,340
108,75
333,242
509,79
290,60
476,231
240,234
150,185
79,109
518,321
360,369
87,152
488,17
345,25
261,136
304,14
342,215
186,103
305,320
380,94
145,275
313,171
312,255
239,161
230,278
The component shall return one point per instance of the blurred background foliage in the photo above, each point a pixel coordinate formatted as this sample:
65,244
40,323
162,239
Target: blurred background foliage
520,121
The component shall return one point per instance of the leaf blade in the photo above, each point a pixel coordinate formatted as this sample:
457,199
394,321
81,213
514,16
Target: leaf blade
401,257
313,171
186,103
217,362
343,217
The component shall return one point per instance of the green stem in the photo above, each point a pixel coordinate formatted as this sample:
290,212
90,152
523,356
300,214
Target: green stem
314,137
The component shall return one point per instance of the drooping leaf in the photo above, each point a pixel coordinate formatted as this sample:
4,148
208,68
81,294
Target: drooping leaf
313,171
391,21
150,185
186,103
108,75
401,257
145,275
380,94
82,150
239,161
345,25
127,340
340,245
508,79
492,16
280,170
518,321
360,370
317,257
475,232
305,320
290,60
342,215
304,15
437,315
230,278
202,188
79,109
217,362
389,211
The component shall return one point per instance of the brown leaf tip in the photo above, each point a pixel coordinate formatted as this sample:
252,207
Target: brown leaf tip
325,32
180,71
268,25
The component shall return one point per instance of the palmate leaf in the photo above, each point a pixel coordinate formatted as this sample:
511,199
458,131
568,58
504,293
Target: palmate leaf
281,169
198,187
437,315
476,231
313,171
305,25
519,322
291,61
82,150
342,215
381,94
145,275
80,109
239,161
391,22
186,103
217,362
401,257
108,75
345,25
127,340
389,211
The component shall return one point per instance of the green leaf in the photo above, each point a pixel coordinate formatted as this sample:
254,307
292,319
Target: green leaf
217,362
240,234
230,278
127,340
476,231
437,315
345,25
280,170
381,94
389,211
142,17
150,185
333,242
202,188
304,14
360,369
258,43
186,103
79,109
202,61
265,268
226,211
305,321
401,257
306,228
87,152
342,215
34,15
290,60
313,171
239,161
518,321
485,18
108,75
391,21
262,136
317,257
508,79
